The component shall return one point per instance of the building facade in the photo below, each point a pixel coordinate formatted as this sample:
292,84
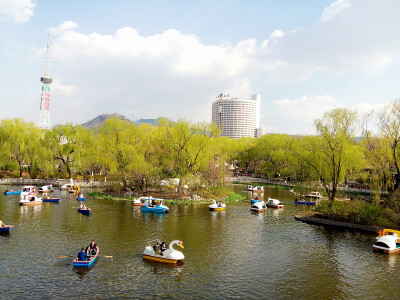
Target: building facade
236,117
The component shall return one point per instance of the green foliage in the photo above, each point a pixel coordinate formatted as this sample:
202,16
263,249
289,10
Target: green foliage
11,166
100,195
234,197
359,212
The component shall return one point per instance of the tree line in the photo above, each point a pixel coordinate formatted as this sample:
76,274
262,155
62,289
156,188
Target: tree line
196,153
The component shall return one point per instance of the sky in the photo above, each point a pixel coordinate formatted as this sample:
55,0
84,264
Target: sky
150,59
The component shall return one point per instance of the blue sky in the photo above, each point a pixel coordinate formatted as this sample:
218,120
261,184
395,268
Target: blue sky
146,59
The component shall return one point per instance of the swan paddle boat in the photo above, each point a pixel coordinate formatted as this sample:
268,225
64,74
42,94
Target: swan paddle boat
388,241
28,190
171,256
66,187
256,189
154,205
258,206
12,192
6,228
46,189
217,205
139,202
30,199
274,203
86,263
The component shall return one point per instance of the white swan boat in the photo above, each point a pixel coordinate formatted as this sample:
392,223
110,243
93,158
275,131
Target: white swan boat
258,206
141,201
30,199
46,189
217,205
170,255
388,241
28,189
66,187
259,189
274,203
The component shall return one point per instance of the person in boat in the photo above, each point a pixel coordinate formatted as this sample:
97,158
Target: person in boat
93,248
157,248
87,251
83,205
2,224
163,247
82,255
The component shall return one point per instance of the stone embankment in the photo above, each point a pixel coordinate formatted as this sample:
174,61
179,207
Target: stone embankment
53,181
311,218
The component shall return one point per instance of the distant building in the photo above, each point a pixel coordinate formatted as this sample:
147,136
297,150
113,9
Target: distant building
236,117
260,131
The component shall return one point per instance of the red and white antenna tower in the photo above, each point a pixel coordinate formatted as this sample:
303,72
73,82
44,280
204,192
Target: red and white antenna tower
44,121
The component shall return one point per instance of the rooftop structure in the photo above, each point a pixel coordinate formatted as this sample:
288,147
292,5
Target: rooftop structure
236,117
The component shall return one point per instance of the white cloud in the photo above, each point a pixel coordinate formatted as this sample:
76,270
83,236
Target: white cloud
305,107
332,10
62,28
18,10
351,36
169,74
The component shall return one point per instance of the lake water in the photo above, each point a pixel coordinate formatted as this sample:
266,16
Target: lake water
228,254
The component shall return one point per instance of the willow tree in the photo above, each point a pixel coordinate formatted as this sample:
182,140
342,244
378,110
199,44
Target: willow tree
68,144
18,138
389,131
331,154
185,147
378,154
118,151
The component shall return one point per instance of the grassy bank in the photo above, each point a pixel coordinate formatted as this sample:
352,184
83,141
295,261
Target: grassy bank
359,212
233,197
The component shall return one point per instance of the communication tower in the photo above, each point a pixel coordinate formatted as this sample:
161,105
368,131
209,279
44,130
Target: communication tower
44,121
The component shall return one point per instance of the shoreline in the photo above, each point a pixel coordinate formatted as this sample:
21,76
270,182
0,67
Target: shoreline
310,218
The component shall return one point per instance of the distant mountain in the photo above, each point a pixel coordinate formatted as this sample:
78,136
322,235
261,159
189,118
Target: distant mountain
99,120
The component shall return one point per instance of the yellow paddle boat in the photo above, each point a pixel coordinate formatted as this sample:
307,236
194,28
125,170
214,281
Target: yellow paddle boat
217,205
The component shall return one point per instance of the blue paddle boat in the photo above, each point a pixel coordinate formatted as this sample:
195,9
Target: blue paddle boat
304,202
6,228
255,200
86,264
11,192
154,205
55,200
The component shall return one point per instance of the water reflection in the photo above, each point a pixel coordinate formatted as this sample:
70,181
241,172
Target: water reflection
26,210
81,272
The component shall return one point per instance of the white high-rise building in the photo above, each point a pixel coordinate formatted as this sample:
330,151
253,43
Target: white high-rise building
236,117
